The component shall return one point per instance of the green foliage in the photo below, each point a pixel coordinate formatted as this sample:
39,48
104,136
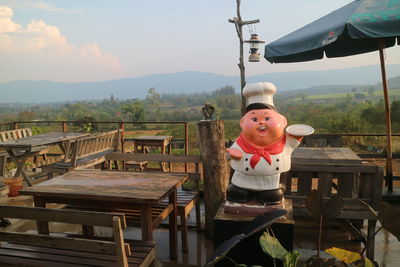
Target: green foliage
134,110
271,246
37,130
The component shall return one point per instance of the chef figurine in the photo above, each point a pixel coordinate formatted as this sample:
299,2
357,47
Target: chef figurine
262,151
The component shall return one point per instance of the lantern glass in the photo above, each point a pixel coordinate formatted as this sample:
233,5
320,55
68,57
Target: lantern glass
254,45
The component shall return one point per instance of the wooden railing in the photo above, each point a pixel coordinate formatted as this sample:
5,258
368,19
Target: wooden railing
63,126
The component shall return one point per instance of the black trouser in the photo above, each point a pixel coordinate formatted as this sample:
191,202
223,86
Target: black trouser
241,195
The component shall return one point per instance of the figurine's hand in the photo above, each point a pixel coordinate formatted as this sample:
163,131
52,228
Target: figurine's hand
299,138
234,153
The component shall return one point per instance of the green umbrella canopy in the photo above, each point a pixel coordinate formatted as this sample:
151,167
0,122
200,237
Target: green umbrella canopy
359,27
350,30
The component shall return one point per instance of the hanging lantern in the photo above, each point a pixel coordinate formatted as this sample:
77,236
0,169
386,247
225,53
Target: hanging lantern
254,47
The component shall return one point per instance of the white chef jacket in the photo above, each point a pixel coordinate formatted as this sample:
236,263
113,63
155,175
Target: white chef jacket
264,176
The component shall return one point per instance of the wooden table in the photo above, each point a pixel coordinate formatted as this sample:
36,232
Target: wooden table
162,142
33,144
117,190
325,155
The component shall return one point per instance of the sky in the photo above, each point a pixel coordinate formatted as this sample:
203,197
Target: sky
98,40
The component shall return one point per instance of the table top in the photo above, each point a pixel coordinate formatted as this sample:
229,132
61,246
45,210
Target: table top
326,155
113,186
41,140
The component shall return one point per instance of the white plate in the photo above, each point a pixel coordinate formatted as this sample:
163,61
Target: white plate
299,130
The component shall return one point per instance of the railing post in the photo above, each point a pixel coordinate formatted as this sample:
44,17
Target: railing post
15,125
186,143
122,127
64,127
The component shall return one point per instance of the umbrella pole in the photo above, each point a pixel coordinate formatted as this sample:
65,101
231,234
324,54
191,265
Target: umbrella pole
389,163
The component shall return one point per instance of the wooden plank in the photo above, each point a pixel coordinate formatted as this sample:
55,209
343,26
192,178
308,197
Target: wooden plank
87,245
334,168
119,243
153,157
325,183
304,183
325,155
113,186
59,215
44,259
346,184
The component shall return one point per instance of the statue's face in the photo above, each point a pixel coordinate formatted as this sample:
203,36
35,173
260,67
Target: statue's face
263,127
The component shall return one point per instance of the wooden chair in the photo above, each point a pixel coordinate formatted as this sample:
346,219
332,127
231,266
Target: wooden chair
351,182
87,152
15,134
186,200
35,249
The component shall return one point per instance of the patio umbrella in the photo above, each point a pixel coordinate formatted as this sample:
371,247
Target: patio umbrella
359,27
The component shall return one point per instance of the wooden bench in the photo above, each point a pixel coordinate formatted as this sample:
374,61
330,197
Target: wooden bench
35,249
87,152
14,135
186,200
351,182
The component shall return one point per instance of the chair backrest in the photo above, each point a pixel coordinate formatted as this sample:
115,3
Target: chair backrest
114,220
15,134
322,140
124,157
94,144
351,182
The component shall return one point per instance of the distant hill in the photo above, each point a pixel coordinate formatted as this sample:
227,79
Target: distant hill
181,82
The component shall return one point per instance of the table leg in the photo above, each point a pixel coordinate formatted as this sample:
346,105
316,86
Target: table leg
42,226
163,164
173,227
169,153
65,148
147,222
20,165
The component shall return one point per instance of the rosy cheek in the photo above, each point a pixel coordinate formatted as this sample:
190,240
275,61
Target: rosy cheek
249,124
273,124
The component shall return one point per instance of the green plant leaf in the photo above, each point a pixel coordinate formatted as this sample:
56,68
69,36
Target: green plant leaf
271,246
314,204
332,208
291,259
389,216
369,263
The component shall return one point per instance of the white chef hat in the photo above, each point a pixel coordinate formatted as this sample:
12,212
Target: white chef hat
259,95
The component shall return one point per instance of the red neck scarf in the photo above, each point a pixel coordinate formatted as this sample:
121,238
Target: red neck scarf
258,152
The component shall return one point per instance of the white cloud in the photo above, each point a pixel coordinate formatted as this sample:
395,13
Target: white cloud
40,51
6,24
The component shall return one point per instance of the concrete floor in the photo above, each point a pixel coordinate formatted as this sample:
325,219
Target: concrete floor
387,247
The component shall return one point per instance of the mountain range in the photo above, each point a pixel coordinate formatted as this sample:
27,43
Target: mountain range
28,91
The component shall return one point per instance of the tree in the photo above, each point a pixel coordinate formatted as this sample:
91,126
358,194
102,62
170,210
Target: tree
134,110
371,91
153,100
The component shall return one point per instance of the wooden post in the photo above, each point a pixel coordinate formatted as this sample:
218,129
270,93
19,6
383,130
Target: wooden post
389,157
215,168
122,127
15,125
64,127
238,26
186,143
